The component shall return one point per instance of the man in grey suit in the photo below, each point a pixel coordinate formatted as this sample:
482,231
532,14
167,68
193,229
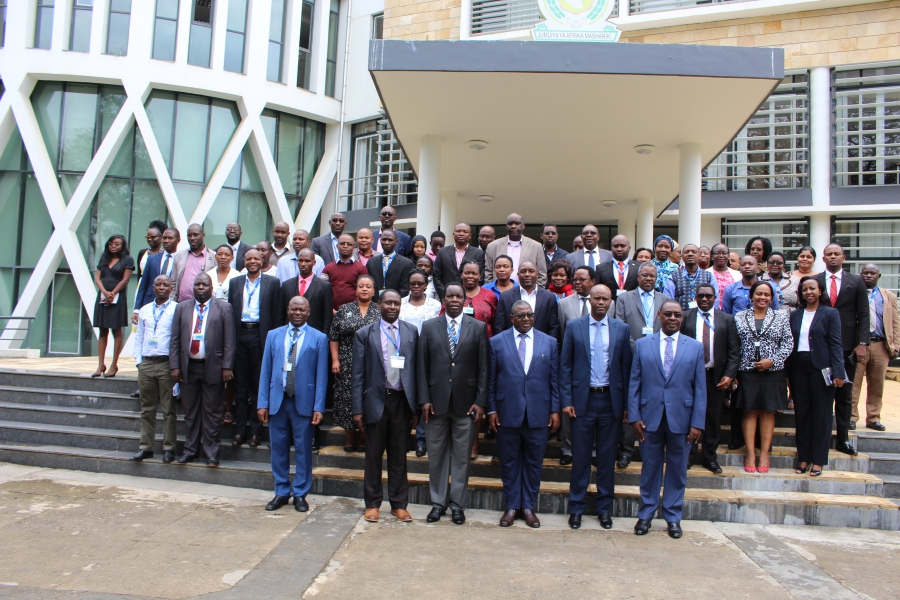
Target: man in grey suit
326,245
591,255
383,401
201,354
452,374
638,309
519,248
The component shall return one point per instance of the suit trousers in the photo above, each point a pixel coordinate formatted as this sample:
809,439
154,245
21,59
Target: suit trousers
450,440
737,422
598,425
565,435
521,450
843,401
247,362
287,427
390,434
663,446
812,410
872,369
155,383
626,442
713,427
204,406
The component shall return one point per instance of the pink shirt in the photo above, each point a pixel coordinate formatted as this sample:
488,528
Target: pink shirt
723,280
308,281
460,254
365,259
514,251
193,266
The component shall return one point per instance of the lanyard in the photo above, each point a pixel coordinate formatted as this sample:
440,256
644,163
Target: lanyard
295,337
692,281
872,295
648,314
705,320
455,338
390,338
250,291
161,313
199,309
384,268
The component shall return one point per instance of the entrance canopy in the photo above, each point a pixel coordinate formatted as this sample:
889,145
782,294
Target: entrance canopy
561,120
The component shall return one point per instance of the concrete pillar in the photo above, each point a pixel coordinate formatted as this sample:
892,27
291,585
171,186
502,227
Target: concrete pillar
626,227
689,174
448,214
428,206
644,226
710,231
819,234
820,136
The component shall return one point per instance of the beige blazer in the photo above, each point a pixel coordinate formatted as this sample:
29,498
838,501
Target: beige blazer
891,319
531,250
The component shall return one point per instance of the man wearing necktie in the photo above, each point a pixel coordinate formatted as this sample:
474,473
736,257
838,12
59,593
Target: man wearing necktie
161,263
389,269
591,255
594,366
619,274
667,409
293,382
316,290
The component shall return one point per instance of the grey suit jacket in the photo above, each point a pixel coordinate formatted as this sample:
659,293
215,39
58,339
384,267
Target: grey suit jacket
531,250
219,338
322,246
576,258
630,310
569,309
178,269
368,388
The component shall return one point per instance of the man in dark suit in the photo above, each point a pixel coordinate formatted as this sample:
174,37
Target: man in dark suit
256,305
316,290
387,216
847,293
549,239
621,274
161,263
201,355
238,248
590,254
593,374
390,270
326,245
449,258
523,401
543,303
667,409
383,398
452,374
722,355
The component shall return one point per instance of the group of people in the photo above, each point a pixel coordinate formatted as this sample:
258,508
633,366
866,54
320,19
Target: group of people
600,347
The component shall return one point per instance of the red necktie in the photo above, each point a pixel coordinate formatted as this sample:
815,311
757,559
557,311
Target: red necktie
195,344
833,293
621,270
302,286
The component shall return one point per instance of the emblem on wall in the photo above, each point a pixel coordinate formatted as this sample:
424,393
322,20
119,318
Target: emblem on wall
576,21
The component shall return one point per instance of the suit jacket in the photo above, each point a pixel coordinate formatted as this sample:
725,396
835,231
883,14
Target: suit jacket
239,255
513,394
445,270
890,319
682,396
271,309
219,338
460,379
726,350
322,246
151,271
178,269
575,365
576,259
404,242
397,277
608,275
560,254
852,305
319,296
569,309
531,250
310,372
546,312
368,388
630,310
825,345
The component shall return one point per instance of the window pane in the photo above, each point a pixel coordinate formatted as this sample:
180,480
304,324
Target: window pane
237,15
203,11
189,197
121,164
117,40
167,9
9,218
120,5
224,211
303,70
7,302
269,123
39,325
276,24
36,224
111,101
254,217
234,176
329,79
47,102
142,165
148,204
290,144
306,26
198,48
273,66
81,30
11,159
164,40
223,122
378,27
67,185
161,113
113,204
234,52
191,126
43,28
311,153
65,316
250,175
79,118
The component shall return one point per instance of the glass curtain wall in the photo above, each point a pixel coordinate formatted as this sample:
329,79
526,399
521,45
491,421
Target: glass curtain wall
871,240
200,43
2,23
119,24
305,63
80,35
43,24
165,30
331,56
786,236
235,30
276,40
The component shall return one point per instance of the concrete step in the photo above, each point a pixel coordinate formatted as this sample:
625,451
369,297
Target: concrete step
785,457
120,384
878,441
737,506
783,436
884,463
891,486
782,419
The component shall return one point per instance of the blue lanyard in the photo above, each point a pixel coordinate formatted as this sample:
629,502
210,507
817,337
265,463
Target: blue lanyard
648,315
249,291
703,316
692,281
384,268
390,338
161,313
455,338
295,337
199,309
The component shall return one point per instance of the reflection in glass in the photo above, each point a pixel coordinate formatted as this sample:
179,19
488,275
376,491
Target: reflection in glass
80,36
43,25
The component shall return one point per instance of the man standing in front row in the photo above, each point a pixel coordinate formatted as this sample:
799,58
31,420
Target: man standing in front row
667,408
452,374
523,401
293,381
593,375
383,399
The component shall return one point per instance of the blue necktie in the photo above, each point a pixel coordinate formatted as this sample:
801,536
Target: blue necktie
591,260
670,357
522,337
598,365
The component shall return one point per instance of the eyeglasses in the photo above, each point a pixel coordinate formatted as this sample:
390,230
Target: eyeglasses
417,283
776,263
524,316
705,296
387,213
669,314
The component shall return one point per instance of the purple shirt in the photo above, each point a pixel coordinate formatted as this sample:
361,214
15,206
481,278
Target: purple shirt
193,266
388,349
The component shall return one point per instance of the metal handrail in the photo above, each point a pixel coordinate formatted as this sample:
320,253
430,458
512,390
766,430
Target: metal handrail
26,329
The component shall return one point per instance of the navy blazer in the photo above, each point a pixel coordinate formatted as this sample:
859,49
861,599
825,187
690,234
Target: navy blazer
368,383
145,293
512,390
682,396
546,311
404,242
575,365
310,375
824,340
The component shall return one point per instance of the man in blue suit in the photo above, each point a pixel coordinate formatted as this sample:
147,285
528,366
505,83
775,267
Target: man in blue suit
667,409
161,263
293,380
593,373
523,401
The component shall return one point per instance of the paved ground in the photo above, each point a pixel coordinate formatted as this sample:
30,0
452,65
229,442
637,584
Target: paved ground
71,534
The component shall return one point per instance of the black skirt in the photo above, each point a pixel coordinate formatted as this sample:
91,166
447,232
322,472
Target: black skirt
762,390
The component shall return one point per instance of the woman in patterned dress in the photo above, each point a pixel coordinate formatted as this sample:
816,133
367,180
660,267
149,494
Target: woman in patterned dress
663,246
347,321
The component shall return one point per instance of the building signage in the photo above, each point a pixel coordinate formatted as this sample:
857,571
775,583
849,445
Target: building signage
576,21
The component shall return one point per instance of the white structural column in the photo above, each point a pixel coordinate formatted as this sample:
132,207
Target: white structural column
710,231
644,226
820,157
429,202
448,214
689,174
626,227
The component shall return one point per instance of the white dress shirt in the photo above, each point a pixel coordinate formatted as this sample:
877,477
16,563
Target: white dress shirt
514,251
662,346
458,321
250,311
587,256
712,334
150,329
803,342
838,276
201,355
531,298
529,346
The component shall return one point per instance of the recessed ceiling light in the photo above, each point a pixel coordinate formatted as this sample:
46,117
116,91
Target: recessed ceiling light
477,144
609,203
644,149
485,198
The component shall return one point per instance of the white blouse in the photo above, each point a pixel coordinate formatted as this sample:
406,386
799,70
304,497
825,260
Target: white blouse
220,291
803,342
416,315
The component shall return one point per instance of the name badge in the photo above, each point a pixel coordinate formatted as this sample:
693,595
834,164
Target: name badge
692,304
245,316
647,330
153,342
469,310
198,337
398,362
756,344
287,367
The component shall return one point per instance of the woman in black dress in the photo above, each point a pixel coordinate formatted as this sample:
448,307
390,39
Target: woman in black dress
349,319
111,310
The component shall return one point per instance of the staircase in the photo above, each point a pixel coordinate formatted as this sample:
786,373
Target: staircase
75,422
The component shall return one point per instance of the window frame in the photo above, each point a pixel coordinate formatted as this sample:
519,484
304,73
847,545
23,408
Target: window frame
42,6
243,35
195,24
156,20
112,12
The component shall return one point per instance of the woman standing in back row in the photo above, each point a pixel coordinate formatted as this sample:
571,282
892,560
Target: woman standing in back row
111,309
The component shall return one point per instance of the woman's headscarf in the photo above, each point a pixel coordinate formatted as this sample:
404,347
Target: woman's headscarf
412,243
664,268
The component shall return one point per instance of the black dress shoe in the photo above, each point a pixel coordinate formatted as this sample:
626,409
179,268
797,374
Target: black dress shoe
852,426
168,456
622,463
575,521
253,442
141,455
713,466
315,444
458,516
185,459
435,515
877,426
237,440
136,394
301,505
605,520
420,450
641,527
489,434
674,530
565,460
495,460
212,461
735,445
277,502
846,448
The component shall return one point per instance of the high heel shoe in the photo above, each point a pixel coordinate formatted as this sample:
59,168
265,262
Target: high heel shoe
749,469
815,472
110,376
801,470
763,469
100,372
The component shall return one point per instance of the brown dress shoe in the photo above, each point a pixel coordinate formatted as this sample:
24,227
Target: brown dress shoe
402,515
508,518
530,518
371,515
253,442
237,440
